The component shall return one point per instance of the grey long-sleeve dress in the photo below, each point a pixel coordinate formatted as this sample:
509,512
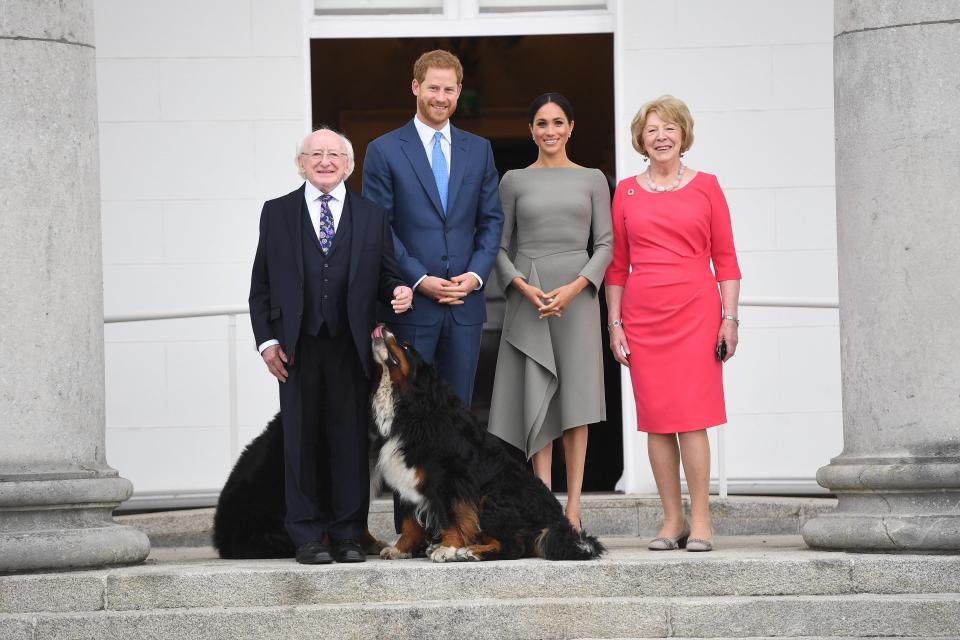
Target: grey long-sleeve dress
549,373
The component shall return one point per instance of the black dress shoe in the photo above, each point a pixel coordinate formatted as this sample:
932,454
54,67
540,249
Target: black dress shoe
314,552
350,551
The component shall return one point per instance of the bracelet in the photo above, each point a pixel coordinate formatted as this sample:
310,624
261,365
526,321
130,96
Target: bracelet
736,320
615,323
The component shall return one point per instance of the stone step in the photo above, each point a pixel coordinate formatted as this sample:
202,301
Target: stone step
603,514
741,566
930,615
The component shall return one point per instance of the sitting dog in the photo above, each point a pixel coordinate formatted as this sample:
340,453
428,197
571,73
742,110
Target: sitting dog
248,522
464,488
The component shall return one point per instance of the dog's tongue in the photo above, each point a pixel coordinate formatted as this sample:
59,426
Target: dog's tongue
377,332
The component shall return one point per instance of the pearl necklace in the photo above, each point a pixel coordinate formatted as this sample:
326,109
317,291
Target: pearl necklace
660,188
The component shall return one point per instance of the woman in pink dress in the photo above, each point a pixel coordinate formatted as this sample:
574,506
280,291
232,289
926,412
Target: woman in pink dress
669,321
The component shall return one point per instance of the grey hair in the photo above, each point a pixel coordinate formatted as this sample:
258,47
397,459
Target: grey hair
346,145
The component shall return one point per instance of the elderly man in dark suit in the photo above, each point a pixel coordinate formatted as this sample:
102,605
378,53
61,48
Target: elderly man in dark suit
324,258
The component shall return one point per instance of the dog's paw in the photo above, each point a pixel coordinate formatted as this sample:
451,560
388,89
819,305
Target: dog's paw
444,554
433,547
392,553
466,554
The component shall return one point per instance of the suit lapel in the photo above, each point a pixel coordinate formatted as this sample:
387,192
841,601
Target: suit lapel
412,147
293,210
358,231
458,165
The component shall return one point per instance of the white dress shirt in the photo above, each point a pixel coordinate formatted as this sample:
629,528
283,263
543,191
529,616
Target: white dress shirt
427,134
312,195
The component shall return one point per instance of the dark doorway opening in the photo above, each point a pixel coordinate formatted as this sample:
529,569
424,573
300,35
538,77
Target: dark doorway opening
362,87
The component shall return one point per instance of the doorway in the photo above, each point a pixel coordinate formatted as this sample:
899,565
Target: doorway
362,87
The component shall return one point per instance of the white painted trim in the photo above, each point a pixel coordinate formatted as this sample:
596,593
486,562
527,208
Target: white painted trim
425,26
306,17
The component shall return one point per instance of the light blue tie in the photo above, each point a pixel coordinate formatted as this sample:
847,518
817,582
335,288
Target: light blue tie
440,169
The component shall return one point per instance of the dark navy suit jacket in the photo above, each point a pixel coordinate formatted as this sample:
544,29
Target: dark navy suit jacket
276,287
427,240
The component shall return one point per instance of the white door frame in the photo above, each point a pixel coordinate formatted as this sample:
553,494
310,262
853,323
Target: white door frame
462,19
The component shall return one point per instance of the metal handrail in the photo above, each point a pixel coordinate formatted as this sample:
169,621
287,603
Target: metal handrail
202,312
199,312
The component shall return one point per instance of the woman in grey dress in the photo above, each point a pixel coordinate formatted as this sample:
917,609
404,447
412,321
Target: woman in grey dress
549,378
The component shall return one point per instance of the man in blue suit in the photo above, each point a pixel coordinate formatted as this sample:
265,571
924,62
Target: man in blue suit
440,187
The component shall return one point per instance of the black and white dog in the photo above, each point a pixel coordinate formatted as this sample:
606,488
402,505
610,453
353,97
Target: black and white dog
464,488
248,522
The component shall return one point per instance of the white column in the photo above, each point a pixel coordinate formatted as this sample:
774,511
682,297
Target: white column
56,489
898,171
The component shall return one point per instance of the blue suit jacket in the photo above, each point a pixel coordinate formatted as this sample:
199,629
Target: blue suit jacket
427,240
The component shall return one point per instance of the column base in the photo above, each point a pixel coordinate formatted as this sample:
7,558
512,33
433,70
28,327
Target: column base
66,524
902,505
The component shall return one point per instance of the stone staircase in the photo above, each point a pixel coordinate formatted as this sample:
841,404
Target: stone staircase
751,586
603,514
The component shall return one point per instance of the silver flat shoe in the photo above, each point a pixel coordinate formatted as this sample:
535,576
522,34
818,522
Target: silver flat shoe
670,544
699,544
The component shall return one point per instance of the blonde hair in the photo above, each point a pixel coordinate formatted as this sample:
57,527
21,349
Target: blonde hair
437,59
669,109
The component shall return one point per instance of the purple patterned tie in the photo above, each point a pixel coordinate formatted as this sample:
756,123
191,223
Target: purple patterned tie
326,231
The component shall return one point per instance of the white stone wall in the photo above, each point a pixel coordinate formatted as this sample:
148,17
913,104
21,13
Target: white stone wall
758,77
201,105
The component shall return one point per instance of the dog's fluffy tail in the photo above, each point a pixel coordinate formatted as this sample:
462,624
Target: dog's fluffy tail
559,541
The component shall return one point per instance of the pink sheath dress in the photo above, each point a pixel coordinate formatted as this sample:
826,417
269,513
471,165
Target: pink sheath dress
671,307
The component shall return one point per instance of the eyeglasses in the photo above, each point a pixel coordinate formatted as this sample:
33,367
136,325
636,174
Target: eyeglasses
332,156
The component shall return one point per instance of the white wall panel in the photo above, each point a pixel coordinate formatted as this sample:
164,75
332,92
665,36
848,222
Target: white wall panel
753,216
726,23
781,445
136,386
806,218
277,28
132,231
174,287
797,78
200,231
201,104
128,90
213,328
176,160
793,274
170,459
229,88
173,28
275,144
196,383
758,77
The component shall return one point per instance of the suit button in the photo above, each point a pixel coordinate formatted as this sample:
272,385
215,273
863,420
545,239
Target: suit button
324,296
444,258
325,265
326,280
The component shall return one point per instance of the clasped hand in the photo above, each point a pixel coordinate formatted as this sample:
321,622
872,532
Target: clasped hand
551,303
451,291
402,299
